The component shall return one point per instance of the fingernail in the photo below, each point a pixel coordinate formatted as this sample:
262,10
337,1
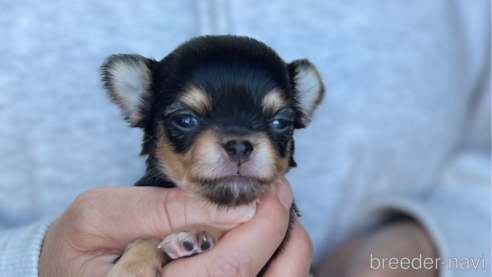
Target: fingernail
236,215
285,194
251,211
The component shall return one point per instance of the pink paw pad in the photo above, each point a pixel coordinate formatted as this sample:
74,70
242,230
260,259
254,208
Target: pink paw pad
187,243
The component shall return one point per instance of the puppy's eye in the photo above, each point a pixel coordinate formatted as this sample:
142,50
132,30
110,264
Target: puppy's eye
186,121
279,124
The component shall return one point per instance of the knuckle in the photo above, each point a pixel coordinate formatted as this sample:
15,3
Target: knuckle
278,229
173,208
305,242
90,197
84,209
170,208
84,219
81,203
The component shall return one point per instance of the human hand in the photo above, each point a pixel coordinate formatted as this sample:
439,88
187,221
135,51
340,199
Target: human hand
99,224
244,250
405,239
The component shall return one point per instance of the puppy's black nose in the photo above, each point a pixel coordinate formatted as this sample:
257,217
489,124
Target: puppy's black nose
238,151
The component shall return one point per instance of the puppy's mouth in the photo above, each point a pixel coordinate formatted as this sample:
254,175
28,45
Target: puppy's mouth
232,190
238,171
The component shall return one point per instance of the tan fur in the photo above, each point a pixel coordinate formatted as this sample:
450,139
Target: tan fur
173,164
282,164
273,102
265,163
195,99
207,153
141,258
205,158
183,168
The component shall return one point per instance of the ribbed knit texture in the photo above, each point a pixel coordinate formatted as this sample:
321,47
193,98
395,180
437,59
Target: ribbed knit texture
20,249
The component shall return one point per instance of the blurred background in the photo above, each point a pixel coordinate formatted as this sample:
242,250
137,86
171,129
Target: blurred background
404,128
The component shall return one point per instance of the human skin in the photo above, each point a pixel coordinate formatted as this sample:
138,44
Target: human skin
98,225
398,240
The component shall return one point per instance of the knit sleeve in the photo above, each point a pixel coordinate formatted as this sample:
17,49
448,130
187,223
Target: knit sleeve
20,249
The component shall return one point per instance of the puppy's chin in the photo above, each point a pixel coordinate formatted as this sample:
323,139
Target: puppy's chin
232,190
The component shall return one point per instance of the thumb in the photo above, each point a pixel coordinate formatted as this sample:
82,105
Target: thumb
114,216
244,250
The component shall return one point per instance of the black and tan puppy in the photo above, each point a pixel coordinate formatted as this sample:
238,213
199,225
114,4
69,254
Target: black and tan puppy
218,115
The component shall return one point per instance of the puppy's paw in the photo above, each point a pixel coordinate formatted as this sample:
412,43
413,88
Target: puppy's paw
140,259
133,272
187,243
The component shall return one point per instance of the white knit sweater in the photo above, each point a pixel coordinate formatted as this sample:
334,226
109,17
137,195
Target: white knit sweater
405,126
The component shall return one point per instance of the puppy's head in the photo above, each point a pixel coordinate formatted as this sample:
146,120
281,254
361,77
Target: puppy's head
218,113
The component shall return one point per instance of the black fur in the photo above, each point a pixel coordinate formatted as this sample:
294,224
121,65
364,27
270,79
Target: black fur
236,73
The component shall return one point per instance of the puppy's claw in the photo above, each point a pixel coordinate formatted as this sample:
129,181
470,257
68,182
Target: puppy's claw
187,243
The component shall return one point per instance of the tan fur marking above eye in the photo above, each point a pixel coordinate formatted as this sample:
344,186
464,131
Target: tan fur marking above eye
273,102
195,99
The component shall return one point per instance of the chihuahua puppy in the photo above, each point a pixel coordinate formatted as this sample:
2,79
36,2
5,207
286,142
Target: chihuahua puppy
218,115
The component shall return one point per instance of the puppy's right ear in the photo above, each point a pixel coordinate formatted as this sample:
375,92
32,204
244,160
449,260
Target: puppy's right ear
127,80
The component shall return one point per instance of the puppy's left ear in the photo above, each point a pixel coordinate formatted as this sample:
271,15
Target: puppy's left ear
127,80
308,88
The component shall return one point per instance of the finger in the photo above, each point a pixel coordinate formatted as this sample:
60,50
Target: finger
295,259
126,213
244,250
